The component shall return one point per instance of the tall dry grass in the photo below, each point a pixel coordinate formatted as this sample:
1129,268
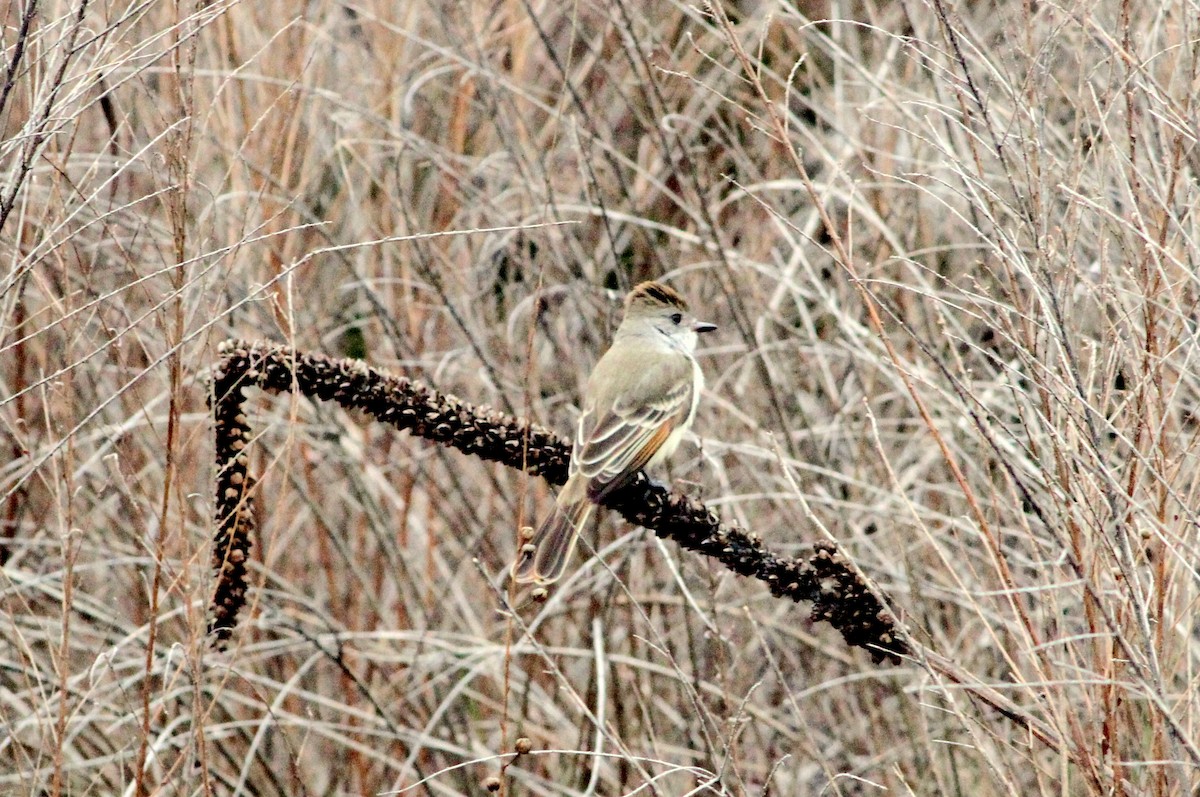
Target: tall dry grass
953,253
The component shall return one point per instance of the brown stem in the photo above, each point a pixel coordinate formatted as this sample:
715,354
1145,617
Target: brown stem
826,578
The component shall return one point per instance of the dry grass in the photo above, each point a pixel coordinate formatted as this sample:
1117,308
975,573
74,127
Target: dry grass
953,253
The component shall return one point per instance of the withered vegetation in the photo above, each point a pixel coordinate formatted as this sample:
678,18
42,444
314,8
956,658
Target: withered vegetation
953,401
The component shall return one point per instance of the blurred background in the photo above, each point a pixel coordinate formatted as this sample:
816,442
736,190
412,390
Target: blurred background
952,250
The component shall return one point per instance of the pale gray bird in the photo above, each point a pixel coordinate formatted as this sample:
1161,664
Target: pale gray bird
641,399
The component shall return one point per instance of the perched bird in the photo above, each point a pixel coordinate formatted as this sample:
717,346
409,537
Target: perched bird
640,400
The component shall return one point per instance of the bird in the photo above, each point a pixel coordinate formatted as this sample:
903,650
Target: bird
640,400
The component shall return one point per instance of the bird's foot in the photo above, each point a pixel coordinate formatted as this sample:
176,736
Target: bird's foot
659,484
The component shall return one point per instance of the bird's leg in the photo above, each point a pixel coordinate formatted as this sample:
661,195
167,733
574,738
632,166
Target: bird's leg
659,483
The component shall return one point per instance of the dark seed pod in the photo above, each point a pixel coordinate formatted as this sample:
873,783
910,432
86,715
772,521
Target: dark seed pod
839,596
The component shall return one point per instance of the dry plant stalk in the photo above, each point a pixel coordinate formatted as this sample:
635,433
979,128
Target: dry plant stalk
838,595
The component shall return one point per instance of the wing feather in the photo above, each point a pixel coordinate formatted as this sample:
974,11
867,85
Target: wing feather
612,445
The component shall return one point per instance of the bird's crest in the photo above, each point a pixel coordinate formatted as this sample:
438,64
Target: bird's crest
655,294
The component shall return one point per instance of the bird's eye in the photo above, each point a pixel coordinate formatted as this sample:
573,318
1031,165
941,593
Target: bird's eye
676,318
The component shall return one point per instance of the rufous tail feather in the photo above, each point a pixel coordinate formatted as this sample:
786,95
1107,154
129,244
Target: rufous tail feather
544,557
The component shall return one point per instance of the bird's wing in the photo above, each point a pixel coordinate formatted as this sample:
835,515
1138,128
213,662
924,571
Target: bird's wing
614,443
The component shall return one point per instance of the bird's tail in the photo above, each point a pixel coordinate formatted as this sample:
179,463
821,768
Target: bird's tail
544,557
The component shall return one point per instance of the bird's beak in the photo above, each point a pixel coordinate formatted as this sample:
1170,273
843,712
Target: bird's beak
703,326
